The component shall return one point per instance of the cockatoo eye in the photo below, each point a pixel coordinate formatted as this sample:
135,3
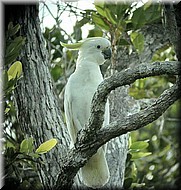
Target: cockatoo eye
98,46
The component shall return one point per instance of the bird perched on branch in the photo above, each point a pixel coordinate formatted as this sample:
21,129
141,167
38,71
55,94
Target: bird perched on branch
79,92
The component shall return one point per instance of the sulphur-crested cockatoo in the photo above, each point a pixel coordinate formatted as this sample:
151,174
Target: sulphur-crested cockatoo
79,91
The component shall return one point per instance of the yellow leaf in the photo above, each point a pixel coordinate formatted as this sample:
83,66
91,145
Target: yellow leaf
46,146
6,110
15,70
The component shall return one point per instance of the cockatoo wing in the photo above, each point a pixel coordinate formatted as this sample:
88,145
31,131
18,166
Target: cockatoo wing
76,105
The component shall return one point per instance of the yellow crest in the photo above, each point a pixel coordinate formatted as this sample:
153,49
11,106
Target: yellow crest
74,46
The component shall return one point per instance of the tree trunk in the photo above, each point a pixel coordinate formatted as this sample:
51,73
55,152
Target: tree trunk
38,107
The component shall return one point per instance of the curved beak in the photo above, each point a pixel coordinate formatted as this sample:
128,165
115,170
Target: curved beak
107,53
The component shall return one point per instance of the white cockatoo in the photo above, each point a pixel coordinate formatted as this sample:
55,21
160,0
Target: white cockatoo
79,92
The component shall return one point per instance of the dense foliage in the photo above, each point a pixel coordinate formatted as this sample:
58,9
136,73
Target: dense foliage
153,151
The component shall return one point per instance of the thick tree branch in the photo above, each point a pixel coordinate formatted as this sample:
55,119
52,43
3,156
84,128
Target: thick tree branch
125,77
144,117
92,137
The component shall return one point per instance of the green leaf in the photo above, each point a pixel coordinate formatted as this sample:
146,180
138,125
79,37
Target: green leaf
100,10
127,183
137,155
106,12
145,15
123,42
138,186
14,44
6,110
139,145
34,155
138,41
27,146
10,25
77,34
5,79
13,30
9,106
121,9
96,32
111,17
99,21
138,18
46,146
10,86
152,12
15,70
147,5
13,49
9,144
56,72
99,3
82,22
10,152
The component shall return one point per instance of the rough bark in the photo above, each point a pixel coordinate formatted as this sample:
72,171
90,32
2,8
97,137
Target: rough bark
155,37
173,25
121,105
38,107
173,28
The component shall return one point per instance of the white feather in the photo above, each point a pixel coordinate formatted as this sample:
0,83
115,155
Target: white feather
79,91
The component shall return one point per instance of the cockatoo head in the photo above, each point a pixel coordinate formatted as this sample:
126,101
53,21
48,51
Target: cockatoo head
96,49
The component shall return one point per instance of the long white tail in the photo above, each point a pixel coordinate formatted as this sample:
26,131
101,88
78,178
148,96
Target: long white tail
95,173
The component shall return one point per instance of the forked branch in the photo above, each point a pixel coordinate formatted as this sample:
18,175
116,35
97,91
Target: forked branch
93,137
